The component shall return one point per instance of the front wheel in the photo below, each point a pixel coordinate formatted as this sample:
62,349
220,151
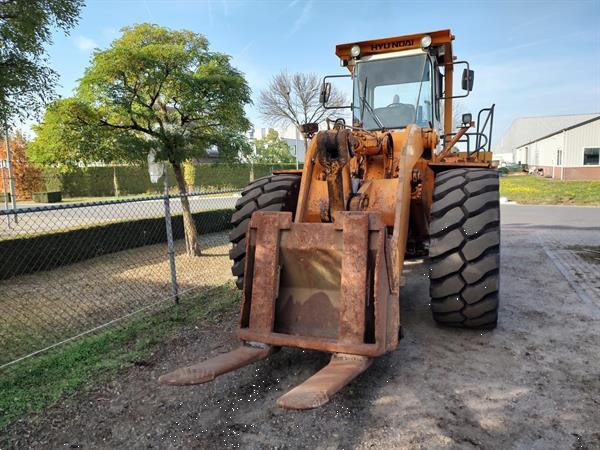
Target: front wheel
277,192
464,252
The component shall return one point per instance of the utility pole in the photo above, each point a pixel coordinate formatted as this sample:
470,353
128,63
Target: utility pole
296,155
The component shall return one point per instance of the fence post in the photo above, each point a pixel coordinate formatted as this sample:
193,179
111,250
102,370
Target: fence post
5,193
170,249
11,181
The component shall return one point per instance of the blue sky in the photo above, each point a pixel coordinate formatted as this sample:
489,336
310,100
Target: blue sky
530,57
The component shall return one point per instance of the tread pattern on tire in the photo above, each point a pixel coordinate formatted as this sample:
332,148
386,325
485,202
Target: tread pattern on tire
270,193
464,253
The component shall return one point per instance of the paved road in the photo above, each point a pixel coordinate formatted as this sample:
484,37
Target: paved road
569,237
73,217
542,216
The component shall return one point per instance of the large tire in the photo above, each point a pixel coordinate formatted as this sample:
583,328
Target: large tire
278,192
464,252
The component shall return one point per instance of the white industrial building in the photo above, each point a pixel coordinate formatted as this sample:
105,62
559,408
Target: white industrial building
562,147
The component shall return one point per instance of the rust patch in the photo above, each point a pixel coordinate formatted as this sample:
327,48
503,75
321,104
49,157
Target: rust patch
210,369
318,389
354,277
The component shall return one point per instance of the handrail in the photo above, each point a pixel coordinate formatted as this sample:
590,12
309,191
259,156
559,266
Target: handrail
482,135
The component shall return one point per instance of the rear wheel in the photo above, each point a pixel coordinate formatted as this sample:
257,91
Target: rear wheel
464,252
278,192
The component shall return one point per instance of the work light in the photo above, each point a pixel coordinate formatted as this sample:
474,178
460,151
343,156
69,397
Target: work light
425,41
355,51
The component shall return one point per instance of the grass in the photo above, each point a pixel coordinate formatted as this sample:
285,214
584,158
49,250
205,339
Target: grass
41,381
535,190
589,253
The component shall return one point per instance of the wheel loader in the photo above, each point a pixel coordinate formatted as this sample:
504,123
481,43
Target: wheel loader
319,252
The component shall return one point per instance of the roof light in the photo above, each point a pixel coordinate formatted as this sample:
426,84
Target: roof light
425,41
355,51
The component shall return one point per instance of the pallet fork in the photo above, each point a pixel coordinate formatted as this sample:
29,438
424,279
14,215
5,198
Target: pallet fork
315,286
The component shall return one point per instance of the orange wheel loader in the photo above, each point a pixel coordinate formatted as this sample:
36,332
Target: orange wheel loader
318,253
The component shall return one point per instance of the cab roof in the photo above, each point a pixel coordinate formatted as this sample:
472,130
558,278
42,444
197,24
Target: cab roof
395,44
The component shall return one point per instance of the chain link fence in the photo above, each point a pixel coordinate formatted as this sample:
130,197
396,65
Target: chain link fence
70,269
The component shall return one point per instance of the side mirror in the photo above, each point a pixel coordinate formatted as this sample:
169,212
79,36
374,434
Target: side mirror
468,76
325,93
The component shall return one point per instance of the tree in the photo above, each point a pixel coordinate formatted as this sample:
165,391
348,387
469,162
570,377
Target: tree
457,112
152,89
293,99
70,136
27,177
272,150
26,83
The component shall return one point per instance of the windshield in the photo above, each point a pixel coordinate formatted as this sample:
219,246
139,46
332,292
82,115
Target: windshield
397,92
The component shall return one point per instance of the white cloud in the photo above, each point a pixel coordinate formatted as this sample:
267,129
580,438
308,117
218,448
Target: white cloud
85,44
302,18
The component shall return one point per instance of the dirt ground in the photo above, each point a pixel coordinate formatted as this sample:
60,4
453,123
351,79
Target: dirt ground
43,308
533,383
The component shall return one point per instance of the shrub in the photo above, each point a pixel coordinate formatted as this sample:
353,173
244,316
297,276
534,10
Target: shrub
47,197
132,180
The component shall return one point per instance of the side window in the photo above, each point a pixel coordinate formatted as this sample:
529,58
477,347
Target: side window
591,156
439,88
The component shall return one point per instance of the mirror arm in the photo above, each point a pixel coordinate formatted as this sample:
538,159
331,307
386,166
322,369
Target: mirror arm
468,92
324,81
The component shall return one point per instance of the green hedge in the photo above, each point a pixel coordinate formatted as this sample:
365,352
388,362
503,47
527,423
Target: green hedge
99,181
47,197
49,251
131,180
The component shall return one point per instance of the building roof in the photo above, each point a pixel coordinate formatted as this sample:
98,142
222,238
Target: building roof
579,124
526,130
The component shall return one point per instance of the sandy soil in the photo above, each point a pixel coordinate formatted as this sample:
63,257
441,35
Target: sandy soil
533,383
41,309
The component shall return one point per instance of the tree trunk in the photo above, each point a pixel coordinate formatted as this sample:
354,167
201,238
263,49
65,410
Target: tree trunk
192,243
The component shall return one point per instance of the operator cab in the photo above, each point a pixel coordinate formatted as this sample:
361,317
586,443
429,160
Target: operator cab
407,80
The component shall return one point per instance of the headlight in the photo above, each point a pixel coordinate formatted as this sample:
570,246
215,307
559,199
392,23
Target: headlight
425,41
355,51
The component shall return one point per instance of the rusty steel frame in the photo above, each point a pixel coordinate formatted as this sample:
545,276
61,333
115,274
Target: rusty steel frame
358,231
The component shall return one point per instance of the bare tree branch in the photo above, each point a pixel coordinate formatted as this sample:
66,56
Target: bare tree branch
293,99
